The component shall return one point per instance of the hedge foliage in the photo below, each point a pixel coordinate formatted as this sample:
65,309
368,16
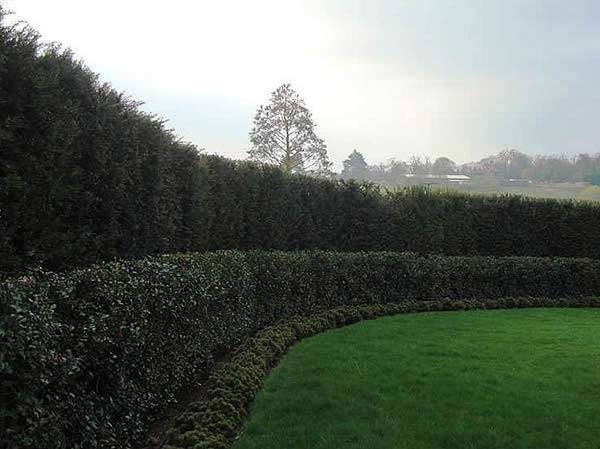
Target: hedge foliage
88,356
86,175
213,421
261,208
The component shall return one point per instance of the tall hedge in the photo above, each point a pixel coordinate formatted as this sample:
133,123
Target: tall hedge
88,356
86,175
259,207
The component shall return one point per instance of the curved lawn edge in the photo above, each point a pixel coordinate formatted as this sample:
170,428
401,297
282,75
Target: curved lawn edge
214,421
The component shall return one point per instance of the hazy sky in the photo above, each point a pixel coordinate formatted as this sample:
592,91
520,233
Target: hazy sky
391,78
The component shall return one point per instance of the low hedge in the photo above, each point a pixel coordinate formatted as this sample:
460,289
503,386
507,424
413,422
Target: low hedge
216,419
89,356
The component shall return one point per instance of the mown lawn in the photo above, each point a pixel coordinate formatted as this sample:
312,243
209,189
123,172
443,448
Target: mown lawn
503,379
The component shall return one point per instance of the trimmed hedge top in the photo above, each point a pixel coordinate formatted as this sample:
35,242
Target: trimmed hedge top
88,356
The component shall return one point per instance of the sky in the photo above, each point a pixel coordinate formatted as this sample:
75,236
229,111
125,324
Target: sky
391,78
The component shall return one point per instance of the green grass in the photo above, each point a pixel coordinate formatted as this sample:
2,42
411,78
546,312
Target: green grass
556,190
526,378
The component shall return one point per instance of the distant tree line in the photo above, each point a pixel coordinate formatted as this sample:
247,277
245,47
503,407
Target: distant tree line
508,164
356,167
513,164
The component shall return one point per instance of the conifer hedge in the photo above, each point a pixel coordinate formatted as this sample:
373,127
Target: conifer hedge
88,356
86,176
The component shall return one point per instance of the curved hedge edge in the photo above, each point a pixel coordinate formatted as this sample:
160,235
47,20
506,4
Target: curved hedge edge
214,421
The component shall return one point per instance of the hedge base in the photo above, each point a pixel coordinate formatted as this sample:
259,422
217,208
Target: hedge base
214,421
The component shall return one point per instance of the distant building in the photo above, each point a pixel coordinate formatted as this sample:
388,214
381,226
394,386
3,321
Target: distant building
517,182
445,180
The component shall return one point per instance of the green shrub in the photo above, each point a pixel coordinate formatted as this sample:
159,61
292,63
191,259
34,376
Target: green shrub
213,421
86,176
89,356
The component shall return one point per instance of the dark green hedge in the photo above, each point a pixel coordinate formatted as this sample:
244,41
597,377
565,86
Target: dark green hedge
213,421
251,207
89,356
86,175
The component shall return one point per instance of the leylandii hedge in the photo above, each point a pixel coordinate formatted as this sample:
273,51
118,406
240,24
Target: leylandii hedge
86,175
88,356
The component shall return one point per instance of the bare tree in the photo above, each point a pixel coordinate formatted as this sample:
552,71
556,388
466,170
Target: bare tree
284,134
420,165
415,163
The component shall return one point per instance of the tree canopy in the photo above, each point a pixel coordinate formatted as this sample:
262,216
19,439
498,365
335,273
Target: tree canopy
355,167
284,134
443,166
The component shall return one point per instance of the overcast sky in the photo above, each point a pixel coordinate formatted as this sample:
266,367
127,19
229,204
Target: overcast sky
391,78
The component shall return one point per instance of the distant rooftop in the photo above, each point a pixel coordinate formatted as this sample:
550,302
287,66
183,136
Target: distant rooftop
448,177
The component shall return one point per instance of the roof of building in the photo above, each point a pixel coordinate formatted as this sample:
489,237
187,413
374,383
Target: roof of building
448,177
